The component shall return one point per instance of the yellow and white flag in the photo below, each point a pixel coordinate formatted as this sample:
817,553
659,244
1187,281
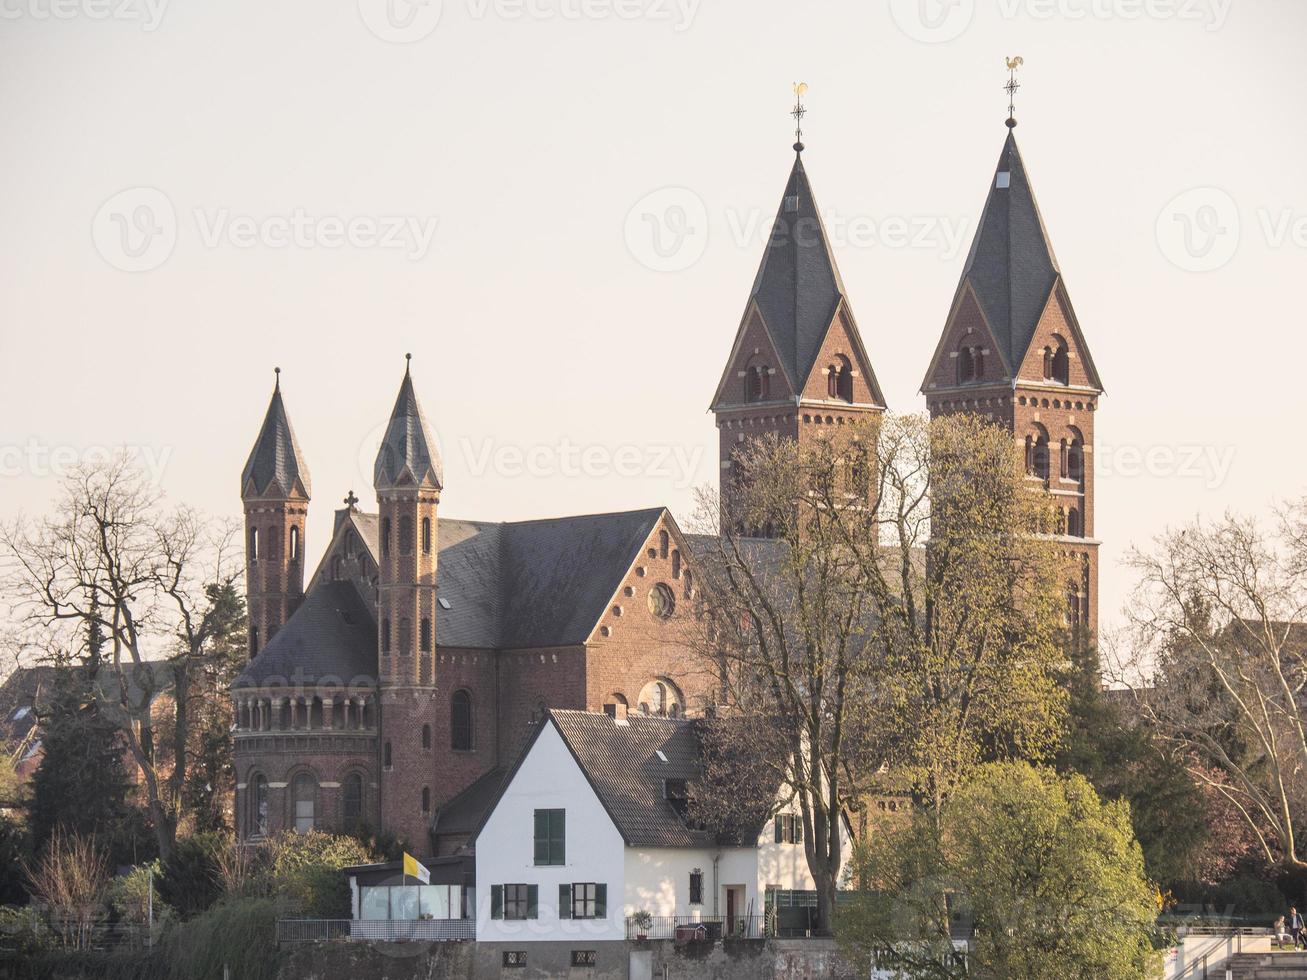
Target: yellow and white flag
413,868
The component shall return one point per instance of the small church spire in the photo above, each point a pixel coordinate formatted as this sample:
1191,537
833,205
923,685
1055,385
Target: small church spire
1011,88
798,112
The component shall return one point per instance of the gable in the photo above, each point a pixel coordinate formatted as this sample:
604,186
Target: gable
843,340
658,561
966,325
753,346
1057,323
351,556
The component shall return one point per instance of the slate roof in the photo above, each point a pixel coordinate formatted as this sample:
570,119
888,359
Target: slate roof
333,635
464,813
408,455
275,462
1011,265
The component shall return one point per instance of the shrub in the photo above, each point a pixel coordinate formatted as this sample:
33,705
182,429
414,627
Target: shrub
129,896
190,882
304,870
239,934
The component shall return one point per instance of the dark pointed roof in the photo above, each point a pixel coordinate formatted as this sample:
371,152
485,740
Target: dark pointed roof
275,462
408,455
798,286
1011,266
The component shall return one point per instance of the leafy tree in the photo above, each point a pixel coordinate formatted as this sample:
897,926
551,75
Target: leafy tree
14,851
191,878
1050,878
877,597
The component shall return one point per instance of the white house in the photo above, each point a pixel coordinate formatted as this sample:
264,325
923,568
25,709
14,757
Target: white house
589,830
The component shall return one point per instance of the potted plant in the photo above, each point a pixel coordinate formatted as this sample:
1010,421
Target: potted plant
642,920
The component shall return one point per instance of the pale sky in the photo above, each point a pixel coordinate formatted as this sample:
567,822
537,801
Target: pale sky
179,178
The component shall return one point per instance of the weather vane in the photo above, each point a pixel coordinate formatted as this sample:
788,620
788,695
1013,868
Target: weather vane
1011,88
798,112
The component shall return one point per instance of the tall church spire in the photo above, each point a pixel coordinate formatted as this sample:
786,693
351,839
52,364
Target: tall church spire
275,464
408,455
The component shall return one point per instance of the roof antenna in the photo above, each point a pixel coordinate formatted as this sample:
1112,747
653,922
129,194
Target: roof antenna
1011,88
798,112
277,384
408,359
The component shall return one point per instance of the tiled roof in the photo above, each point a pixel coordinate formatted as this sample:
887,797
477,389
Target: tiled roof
628,764
332,636
275,463
463,814
408,455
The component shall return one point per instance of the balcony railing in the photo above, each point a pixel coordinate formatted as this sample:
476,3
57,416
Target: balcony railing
375,930
705,928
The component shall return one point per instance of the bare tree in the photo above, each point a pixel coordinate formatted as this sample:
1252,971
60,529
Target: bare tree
856,629
69,878
156,587
1216,656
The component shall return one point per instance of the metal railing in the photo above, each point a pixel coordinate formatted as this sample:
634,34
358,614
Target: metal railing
706,928
375,930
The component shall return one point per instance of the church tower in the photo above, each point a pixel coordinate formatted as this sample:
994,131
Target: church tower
275,491
798,365
408,479
1012,350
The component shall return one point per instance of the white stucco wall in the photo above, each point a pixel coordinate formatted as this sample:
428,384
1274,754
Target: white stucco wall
786,865
549,779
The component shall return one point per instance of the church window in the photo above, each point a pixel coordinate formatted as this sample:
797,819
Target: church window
966,367
385,636
1048,363
689,584
304,793
254,640
405,636
841,383
426,737
426,535
660,697
406,535
426,799
1076,457
676,563
1061,372
424,635
387,757
349,545
385,537
351,802
254,544
662,601
294,544
1073,522
460,722
258,806
757,382
336,568
271,543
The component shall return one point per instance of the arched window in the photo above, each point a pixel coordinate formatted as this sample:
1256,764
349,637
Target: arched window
405,636
351,802
426,799
294,544
978,370
385,636
1073,523
1075,468
676,563
1063,459
424,635
843,379
663,541
1048,364
337,569
304,793
689,584
387,759
426,535
385,537
1040,456
757,382
966,366
426,737
258,816
660,697
832,381
406,535
1061,364
254,641
460,722
254,544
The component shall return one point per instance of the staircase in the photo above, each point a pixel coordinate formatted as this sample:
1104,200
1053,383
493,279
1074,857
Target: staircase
1266,966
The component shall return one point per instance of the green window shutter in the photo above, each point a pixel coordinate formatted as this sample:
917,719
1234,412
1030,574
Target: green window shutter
564,901
798,829
532,901
496,901
601,901
778,829
558,838
541,836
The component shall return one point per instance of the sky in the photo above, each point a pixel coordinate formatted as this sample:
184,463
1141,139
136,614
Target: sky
558,207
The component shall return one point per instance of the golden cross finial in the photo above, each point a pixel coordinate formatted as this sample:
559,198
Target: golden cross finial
798,112
1011,88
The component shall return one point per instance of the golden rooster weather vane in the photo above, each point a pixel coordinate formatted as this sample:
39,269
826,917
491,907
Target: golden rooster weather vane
798,112
1011,88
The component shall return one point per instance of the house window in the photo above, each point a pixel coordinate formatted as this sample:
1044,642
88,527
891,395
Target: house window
514,957
583,900
259,806
696,887
304,793
460,722
513,901
351,802
551,837
426,535
788,828
583,957
424,634
406,535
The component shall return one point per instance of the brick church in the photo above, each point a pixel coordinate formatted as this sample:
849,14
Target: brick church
395,689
